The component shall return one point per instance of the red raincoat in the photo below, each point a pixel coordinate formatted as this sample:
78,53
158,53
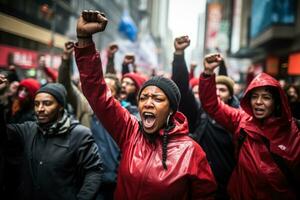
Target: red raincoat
256,175
141,173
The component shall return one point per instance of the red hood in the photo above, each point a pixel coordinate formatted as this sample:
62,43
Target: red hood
181,125
264,79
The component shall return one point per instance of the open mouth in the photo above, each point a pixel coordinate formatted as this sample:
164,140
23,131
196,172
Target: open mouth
149,120
259,111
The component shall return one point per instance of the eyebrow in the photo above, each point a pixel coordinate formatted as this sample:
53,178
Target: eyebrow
153,94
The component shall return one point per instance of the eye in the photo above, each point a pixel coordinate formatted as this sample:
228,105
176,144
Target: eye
254,96
36,103
47,103
142,98
158,99
267,97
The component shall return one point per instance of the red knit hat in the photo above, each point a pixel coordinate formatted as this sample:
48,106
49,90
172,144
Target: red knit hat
194,82
137,79
31,85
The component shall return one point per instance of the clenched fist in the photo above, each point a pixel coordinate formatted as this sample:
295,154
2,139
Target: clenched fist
181,43
211,62
90,22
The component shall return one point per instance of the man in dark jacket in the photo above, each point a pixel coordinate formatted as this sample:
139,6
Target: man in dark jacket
60,157
213,138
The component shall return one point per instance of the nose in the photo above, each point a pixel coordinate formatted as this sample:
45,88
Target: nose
40,107
259,100
148,103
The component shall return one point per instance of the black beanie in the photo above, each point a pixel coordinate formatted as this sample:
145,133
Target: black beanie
57,90
168,87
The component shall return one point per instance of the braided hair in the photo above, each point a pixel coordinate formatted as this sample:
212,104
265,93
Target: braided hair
164,149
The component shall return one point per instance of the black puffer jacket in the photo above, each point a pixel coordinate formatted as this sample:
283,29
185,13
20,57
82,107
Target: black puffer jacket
56,166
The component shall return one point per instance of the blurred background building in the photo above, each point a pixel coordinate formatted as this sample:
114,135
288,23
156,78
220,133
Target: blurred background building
253,34
256,36
30,28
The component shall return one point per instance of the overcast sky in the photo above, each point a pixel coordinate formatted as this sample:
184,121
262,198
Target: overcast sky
183,17
183,20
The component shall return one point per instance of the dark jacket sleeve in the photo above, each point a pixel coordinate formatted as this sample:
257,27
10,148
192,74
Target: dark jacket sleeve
188,104
64,77
110,67
89,163
125,68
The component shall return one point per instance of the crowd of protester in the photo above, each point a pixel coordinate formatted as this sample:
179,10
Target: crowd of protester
125,135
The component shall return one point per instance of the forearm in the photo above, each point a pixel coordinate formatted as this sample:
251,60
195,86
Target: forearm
64,73
225,115
110,68
125,68
180,73
105,106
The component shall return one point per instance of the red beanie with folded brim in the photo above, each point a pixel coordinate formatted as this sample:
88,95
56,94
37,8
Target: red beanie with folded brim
31,85
138,79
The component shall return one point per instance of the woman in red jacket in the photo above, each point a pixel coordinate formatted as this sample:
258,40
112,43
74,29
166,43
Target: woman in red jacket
159,160
266,136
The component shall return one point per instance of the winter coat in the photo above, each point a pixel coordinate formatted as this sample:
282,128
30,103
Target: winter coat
141,173
256,175
58,166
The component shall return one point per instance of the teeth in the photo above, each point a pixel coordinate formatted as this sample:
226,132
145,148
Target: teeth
146,114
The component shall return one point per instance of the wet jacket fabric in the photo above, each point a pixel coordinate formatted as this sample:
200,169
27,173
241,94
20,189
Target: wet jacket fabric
141,173
213,138
57,166
256,175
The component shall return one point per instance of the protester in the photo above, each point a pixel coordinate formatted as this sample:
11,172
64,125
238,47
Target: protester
22,106
61,159
108,149
77,100
293,95
213,138
266,138
159,160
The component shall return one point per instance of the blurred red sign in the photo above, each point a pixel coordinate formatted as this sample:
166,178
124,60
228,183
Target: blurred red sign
24,58
294,64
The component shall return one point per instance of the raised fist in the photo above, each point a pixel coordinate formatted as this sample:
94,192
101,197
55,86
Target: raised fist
211,62
68,50
181,43
112,49
129,59
90,22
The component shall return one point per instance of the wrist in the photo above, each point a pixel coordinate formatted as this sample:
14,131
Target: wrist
179,52
84,41
65,57
208,72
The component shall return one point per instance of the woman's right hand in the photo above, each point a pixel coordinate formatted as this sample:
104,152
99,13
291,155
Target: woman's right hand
211,62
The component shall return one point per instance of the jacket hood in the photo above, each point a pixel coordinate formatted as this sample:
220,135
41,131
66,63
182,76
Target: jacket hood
264,79
180,124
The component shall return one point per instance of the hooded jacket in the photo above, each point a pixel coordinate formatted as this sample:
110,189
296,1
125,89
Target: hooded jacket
141,173
256,175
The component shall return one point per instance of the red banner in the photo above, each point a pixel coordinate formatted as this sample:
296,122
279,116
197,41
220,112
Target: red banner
24,58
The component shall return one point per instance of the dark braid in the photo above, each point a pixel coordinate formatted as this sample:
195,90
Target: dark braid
164,149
